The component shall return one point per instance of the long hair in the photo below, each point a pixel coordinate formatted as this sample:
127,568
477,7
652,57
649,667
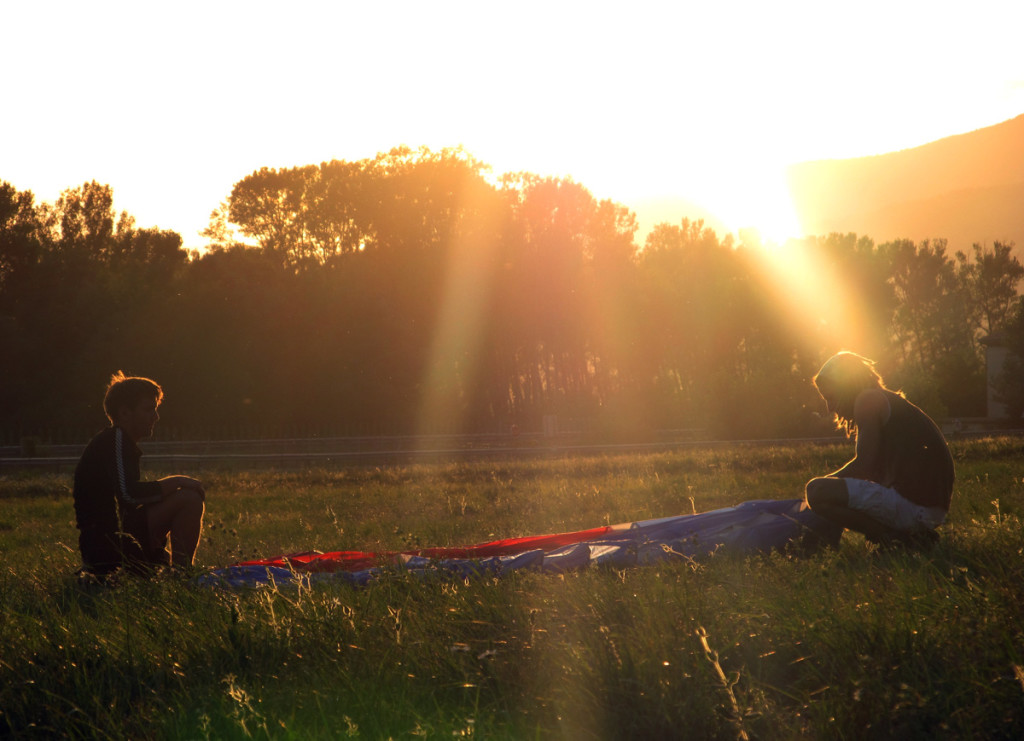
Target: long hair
127,391
844,376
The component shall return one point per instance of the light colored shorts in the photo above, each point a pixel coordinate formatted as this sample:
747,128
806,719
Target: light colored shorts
889,506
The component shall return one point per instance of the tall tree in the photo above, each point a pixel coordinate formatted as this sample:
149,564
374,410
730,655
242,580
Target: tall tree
1009,381
990,284
939,360
270,207
20,244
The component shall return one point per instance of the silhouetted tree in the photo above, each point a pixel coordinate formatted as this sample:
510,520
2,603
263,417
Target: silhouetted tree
990,285
413,291
940,363
1009,382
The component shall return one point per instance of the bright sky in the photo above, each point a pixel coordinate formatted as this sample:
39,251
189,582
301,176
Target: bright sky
172,103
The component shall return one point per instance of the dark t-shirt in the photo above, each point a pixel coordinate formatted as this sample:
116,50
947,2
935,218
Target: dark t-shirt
107,489
916,461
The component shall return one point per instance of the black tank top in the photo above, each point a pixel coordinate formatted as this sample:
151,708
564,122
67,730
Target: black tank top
916,461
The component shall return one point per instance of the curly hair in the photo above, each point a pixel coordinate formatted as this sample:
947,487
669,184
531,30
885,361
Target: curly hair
125,392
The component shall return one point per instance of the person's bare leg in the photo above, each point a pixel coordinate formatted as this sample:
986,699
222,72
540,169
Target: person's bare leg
180,516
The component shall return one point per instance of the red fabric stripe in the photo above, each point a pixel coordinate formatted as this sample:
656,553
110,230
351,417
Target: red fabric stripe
359,560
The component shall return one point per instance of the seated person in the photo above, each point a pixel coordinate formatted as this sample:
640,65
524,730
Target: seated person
898,486
122,520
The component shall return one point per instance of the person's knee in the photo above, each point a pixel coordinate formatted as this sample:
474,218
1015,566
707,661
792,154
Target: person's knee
189,503
825,492
813,492
196,505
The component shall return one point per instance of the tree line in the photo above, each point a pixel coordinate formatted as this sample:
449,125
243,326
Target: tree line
417,292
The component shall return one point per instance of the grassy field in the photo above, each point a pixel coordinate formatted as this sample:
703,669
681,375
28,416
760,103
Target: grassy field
851,643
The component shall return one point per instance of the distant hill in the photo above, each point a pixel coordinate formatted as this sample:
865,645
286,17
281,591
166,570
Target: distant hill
967,188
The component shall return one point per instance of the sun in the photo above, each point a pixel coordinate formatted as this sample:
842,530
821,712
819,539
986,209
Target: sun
756,199
735,188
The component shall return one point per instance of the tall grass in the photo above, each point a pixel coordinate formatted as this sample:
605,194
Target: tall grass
848,643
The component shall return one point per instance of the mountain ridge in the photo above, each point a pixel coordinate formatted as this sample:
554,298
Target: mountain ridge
967,188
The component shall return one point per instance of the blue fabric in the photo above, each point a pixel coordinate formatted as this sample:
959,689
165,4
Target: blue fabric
756,526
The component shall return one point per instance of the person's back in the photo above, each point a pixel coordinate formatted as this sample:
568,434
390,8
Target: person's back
916,459
109,462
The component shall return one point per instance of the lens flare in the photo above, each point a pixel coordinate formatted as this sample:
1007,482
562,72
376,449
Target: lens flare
815,296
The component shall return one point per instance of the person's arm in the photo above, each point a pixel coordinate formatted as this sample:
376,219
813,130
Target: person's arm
123,470
131,490
870,412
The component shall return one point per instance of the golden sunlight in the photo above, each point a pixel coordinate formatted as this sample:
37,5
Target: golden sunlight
761,202
668,101
816,298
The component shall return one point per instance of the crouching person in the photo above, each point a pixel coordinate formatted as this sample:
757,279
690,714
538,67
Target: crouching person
124,521
898,487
